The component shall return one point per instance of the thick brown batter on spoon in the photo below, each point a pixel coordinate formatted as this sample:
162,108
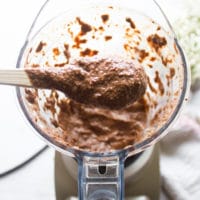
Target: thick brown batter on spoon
102,82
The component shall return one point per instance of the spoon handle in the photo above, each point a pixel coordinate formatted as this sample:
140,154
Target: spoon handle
16,77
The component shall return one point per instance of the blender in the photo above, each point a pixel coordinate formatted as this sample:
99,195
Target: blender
135,30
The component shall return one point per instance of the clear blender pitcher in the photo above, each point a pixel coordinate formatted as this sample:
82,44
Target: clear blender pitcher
130,29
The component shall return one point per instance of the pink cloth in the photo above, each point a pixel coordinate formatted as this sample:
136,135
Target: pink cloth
180,155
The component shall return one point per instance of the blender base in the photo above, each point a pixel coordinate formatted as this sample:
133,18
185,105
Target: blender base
146,182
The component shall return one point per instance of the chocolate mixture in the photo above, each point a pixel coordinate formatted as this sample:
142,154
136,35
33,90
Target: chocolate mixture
105,82
90,128
102,81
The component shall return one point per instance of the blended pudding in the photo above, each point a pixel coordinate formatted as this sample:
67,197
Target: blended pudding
111,83
93,44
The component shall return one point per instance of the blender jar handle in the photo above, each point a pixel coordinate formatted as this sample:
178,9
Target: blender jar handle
101,177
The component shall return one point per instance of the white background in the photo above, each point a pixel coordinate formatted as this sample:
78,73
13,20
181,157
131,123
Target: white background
17,140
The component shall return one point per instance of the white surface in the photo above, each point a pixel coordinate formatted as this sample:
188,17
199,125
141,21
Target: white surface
17,140
33,182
